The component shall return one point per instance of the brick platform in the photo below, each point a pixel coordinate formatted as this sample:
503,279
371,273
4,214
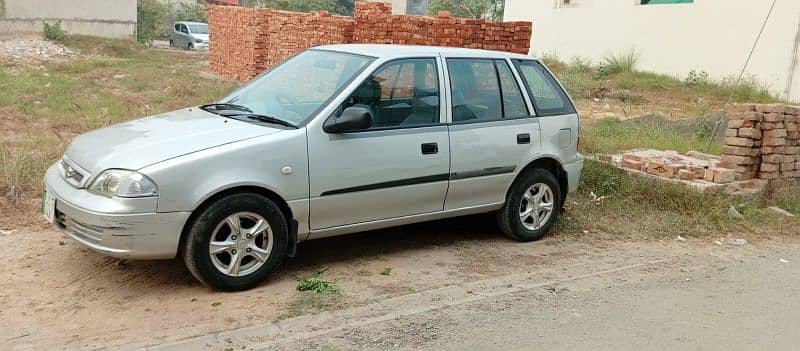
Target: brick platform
246,41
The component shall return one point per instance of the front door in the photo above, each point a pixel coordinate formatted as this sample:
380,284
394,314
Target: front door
400,166
492,133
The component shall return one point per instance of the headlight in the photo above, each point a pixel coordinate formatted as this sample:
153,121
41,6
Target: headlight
123,183
198,41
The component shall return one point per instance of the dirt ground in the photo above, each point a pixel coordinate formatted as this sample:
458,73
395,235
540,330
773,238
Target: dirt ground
59,295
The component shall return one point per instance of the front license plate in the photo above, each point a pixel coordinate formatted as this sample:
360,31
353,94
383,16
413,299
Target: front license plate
49,206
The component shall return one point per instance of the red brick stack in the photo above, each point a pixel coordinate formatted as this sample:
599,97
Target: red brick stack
246,41
742,150
762,141
290,32
237,35
376,24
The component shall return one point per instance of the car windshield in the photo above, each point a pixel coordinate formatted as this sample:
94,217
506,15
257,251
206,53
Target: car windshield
298,87
198,28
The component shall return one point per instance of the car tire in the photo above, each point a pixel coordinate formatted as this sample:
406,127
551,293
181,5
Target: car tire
189,47
256,254
532,187
171,43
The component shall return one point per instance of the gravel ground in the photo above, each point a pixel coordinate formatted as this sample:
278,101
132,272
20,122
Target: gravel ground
33,50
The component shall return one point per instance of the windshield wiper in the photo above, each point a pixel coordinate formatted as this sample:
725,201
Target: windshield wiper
267,119
226,106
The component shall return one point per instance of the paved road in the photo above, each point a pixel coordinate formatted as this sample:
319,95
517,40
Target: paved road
750,304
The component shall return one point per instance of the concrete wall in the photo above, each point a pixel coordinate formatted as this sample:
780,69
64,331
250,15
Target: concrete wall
710,35
107,18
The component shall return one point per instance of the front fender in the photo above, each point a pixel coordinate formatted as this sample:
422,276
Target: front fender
185,182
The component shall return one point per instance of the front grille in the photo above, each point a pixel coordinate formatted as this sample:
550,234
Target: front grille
71,172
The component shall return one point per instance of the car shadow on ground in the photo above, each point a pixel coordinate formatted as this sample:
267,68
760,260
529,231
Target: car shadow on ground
446,233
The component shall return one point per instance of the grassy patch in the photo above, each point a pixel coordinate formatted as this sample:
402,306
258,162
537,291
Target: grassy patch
640,207
44,105
618,63
788,199
616,81
315,294
611,134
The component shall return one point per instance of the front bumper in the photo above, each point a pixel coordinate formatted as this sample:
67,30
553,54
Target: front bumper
95,222
574,170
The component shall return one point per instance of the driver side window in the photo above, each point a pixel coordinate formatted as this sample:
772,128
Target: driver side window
403,93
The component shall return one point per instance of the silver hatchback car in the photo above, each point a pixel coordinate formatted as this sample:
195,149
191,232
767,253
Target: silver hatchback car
335,140
189,36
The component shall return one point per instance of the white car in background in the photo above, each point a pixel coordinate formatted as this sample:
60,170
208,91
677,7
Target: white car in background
189,36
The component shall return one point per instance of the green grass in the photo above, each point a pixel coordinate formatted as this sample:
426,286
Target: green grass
788,199
611,135
44,105
585,79
618,63
640,207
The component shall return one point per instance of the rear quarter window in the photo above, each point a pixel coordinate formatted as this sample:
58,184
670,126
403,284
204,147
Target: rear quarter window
549,98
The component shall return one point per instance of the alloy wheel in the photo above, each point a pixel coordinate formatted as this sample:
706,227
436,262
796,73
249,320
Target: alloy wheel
536,206
240,244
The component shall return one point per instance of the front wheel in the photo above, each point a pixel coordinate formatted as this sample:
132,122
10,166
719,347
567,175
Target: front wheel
236,242
531,206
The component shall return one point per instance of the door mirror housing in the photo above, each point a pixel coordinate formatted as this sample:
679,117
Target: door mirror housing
352,119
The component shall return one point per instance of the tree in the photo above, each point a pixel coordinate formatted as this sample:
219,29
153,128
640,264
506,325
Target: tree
489,9
192,12
296,5
150,20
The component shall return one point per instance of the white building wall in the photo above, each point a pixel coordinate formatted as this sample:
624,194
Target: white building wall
710,35
107,18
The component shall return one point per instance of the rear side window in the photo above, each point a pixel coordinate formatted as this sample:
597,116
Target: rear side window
548,97
476,90
484,90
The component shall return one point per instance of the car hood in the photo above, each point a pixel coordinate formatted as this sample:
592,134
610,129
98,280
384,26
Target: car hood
143,142
201,36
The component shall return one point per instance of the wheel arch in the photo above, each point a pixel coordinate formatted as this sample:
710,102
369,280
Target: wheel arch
552,165
252,189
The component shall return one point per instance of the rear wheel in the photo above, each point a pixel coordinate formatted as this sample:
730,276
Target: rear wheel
531,206
171,43
236,242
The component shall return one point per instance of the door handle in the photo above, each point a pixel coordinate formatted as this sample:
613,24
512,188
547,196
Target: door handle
430,148
523,138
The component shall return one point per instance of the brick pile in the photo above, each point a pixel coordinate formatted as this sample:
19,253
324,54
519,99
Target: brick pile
376,24
670,164
762,141
246,41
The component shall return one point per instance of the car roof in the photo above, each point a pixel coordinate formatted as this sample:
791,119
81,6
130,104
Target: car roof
186,22
389,51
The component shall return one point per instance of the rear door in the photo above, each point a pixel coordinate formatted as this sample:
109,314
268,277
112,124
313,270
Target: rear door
555,112
492,131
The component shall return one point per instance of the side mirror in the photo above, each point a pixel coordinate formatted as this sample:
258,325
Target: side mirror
352,119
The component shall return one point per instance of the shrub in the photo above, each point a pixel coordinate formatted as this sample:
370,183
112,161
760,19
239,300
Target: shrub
618,63
150,24
696,78
54,32
191,12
